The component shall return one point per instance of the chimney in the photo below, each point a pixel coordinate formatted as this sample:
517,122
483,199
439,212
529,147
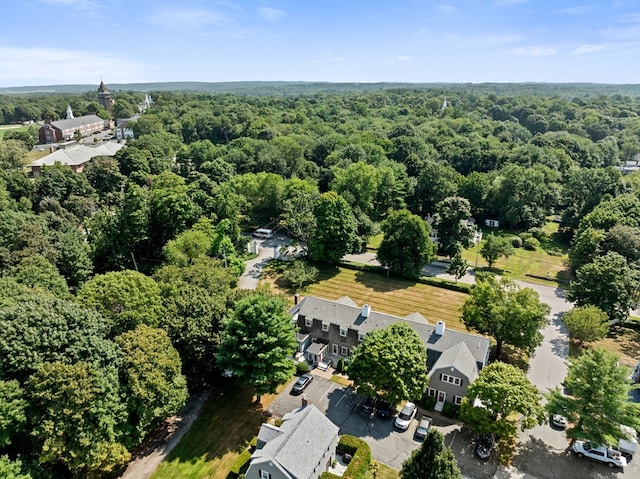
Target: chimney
305,401
296,298
440,328
366,311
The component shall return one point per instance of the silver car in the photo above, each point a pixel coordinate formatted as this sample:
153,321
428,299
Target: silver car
423,428
406,416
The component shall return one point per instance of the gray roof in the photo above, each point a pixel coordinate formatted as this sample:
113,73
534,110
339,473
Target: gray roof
458,357
350,317
75,123
77,155
306,435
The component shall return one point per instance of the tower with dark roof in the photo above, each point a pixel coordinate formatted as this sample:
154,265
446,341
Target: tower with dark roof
104,97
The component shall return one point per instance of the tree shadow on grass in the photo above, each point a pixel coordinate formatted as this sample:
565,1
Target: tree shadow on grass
381,283
227,423
627,338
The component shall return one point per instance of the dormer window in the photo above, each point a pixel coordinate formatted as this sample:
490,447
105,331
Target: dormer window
308,322
325,327
343,332
360,337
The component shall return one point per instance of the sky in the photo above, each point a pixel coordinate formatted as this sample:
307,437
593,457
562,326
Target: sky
52,42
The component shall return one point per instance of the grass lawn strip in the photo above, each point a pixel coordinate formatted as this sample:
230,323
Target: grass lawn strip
229,420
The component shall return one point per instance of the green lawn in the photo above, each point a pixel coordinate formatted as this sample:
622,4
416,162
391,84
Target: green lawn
390,295
229,420
5,128
548,261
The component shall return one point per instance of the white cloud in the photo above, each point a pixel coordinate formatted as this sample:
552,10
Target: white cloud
270,14
188,18
403,58
575,10
40,66
535,52
448,9
84,7
582,49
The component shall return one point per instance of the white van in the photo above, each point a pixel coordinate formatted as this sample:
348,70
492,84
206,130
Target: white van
263,233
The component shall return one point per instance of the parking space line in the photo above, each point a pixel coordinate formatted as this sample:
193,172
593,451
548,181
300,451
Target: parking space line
327,391
344,394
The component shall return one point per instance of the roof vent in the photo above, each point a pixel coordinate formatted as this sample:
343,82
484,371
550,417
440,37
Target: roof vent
366,311
440,328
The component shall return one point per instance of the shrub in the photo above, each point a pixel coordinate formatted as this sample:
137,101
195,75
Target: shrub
451,410
538,233
525,236
428,402
516,242
302,367
340,365
531,244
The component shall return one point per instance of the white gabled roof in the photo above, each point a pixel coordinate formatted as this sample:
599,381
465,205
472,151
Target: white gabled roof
78,155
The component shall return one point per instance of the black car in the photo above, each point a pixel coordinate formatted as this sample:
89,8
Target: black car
484,446
369,405
385,410
302,383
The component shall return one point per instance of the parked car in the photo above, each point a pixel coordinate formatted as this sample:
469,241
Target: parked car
406,416
423,428
484,446
559,421
302,383
603,454
385,409
369,405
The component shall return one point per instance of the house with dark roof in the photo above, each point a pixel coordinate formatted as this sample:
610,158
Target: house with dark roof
302,447
331,329
58,131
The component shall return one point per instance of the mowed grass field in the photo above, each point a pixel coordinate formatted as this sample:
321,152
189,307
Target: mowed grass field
390,295
229,420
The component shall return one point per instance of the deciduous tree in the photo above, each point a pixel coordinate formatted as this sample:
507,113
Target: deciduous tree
608,283
508,313
458,266
391,362
335,233
257,342
13,418
452,214
586,323
599,398
406,246
507,399
432,460
153,382
124,298
75,414
494,247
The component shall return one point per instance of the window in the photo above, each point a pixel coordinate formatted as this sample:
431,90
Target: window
308,322
458,400
343,332
432,392
445,378
325,327
265,475
334,348
345,351
360,336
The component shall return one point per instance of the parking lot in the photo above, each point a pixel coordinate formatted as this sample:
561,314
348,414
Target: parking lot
534,457
388,445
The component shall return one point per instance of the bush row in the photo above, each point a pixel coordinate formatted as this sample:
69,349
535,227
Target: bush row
361,458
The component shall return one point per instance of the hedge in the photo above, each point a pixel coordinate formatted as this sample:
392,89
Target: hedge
361,453
361,458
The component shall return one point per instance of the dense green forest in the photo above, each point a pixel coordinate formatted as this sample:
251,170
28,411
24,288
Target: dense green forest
138,257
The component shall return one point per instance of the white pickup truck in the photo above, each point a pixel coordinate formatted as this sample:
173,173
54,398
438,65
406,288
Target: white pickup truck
606,455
